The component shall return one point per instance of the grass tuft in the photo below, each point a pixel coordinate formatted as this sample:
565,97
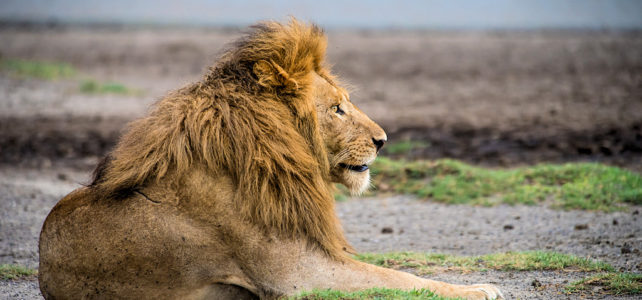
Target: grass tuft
37,69
374,293
611,283
588,186
426,263
94,87
12,272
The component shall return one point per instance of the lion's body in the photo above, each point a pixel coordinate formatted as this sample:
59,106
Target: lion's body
225,189
128,250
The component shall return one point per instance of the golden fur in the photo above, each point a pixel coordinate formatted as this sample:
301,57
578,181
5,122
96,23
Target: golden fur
260,88
225,190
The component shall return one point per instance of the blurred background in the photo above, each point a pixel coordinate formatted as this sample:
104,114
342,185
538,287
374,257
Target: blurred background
497,84
491,82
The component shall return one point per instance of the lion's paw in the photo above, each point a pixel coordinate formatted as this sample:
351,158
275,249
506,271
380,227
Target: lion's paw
483,292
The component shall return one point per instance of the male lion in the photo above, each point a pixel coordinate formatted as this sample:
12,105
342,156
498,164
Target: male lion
225,189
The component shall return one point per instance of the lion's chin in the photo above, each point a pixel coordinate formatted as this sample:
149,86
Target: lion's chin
356,182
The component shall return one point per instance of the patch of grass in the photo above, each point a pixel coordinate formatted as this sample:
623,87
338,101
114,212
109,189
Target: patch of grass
611,283
374,293
37,69
426,263
12,272
405,147
587,186
94,87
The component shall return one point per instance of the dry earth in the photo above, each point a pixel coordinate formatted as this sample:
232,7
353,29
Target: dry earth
499,99
28,195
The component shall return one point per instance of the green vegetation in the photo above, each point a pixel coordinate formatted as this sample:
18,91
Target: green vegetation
94,87
375,293
37,69
57,70
405,147
426,263
570,186
611,283
10,272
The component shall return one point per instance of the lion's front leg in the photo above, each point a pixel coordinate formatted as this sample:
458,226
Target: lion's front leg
291,268
474,291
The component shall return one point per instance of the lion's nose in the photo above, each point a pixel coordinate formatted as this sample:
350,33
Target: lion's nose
378,143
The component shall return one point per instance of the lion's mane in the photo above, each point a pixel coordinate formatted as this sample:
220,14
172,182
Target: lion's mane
251,118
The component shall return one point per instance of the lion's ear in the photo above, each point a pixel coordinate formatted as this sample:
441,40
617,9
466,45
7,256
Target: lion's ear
271,75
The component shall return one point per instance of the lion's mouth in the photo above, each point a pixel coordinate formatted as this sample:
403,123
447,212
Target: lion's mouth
359,168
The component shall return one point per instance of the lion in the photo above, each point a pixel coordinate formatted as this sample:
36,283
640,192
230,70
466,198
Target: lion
225,190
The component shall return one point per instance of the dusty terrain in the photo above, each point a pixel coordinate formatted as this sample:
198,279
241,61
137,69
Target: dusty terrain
498,99
416,226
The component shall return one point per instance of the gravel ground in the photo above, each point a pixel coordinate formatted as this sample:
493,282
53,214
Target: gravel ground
28,195
469,230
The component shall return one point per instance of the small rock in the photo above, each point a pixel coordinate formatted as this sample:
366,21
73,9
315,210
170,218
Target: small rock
508,227
615,222
581,226
62,176
535,283
626,248
636,212
387,230
517,217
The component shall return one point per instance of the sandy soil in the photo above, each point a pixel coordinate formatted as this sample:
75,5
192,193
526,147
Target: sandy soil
499,99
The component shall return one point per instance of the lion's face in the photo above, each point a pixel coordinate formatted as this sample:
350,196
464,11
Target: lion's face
351,138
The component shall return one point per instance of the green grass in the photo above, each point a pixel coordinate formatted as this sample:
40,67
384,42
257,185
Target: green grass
94,87
57,70
611,283
37,69
588,186
405,147
374,293
426,263
11,272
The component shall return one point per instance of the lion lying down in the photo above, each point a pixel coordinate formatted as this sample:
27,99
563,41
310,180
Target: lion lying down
225,189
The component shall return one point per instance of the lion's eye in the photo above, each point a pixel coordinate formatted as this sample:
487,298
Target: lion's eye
337,109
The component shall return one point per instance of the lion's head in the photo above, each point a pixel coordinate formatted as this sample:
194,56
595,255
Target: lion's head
352,140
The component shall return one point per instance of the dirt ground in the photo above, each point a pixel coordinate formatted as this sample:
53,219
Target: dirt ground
416,225
491,98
